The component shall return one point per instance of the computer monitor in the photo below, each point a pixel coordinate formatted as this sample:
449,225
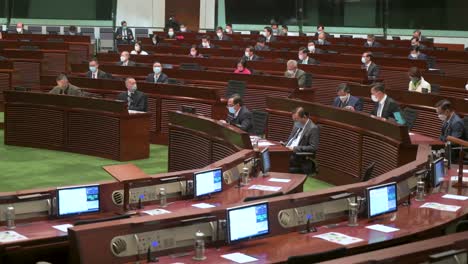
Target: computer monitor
382,199
78,200
266,165
438,172
208,182
247,222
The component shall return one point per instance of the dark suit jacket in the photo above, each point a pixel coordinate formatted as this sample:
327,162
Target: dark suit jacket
212,46
272,39
309,141
254,58
310,61
389,108
2,58
243,120
375,44
15,32
264,48
100,75
353,101
119,32
140,101
162,78
421,56
373,72
225,37
130,63
326,43
455,127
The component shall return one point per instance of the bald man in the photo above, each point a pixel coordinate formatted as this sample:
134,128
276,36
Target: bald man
20,29
136,100
125,59
293,72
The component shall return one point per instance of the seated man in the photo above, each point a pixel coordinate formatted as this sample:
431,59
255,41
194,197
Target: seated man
64,87
20,29
157,76
304,57
385,107
249,54
125,59
73,31
184,29
94,72
284,30
415,54
314,50
268,34
228,29
371,43
373,70
320,29
238,114
416,43
417,82
452,124
293,72
346,100
124,35
303,138
322,39
261,46
206,43
220,35
136,100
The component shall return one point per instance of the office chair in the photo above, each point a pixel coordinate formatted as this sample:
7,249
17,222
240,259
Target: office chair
235,87
175,81
254,32
435,88
346,36
461,226
262,197
368,173
410,115
318,257
259,122
396,38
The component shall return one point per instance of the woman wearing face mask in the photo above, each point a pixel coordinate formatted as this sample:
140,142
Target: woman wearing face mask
138,50
242,68
194,53
417,82
171,33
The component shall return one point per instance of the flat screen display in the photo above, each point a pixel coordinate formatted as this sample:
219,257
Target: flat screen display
247,222
266,165
208,182
382,199
78,200
438,172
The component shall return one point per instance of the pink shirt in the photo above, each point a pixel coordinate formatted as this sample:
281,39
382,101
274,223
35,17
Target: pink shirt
245,71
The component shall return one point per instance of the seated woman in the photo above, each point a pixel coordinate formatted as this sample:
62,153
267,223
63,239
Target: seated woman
171,33
242,68
194,53
417,82
138,49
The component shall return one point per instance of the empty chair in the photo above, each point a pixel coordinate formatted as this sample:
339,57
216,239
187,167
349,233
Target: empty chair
396,38
262,197
380,37
346,36
235,87
410,115
441,48
254,32
429,40
35,29
53,30
141,33
284,49
174,81
318,257
106,34
368,172
86,31
259,122
435,88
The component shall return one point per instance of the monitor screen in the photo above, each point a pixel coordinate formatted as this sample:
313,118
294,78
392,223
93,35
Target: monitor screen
382,199
438,172
266,161
78,200
208,182
247,222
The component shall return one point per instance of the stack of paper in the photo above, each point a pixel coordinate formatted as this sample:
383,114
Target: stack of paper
339,238
156,212
10,236
265,188
239,258
441,207
383,228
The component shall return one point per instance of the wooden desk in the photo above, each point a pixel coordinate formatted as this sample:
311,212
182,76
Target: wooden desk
89,126
27,66
6,79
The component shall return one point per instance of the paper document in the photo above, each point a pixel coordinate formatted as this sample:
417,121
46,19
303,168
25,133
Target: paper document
455,197
265,188
464,171
265,143
455,178
239,258
279,180
203,205
441,207
156,212
383,228
10,236
135,112
411,133
339,238
63,228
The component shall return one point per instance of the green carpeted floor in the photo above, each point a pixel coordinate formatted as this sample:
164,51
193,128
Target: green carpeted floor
29,168
2,114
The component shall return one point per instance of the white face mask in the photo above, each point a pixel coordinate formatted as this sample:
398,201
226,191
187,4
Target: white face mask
466,87
19,30
374,98
247,54
414,55
123,58
219,34
170,33
311,48
363,60
369,43
183,29
228,30
343,98
205,44
442,117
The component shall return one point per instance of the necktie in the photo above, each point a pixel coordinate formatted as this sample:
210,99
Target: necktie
129,99
294,137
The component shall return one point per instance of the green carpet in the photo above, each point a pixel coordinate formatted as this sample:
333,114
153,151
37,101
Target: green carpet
312,184
2,117
29,168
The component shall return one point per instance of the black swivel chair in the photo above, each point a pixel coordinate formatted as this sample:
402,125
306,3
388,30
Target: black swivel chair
368,173
318,257
410,115
235,87
259,122
435,88
462,226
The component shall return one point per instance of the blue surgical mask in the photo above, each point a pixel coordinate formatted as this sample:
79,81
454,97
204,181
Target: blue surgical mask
231,109
157,70
92,68
298,124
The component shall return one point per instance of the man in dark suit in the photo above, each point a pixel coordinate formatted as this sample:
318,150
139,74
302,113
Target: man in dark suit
415,54
268,33
416,43
385,107
94,72
346,100
20,29
123,34
220,35
238,114
371,43
64,87
303,57
249,54
417,34
314,50
452,124
373,70
136,100
206,44
125,59
293,72
322,39
303,138
157,76
261,46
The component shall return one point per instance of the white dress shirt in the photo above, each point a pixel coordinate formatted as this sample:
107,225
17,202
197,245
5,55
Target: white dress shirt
296,141
381,106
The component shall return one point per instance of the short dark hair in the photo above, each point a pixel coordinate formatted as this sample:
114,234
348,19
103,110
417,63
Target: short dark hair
371,36
284,26
61,77
301,112
444,104
261,39
242,62
414,72
320,26
370,55
72,29
205,37
343,87
228,25
269,30
380,87
236,99
303,50
94,59
416,48
123,22
251,48
219,28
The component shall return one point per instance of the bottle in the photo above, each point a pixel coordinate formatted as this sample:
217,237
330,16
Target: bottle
199,246
353,213
245,176
420,190
162,197
10,217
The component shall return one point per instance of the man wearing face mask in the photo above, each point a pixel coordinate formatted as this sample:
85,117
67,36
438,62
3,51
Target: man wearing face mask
20,29
417,82
125,59
136,100
415,54
238,114
220,35
293,72
124,35
322,40
268,34
228,29
320,29
314,50
274,29
65,88
373,70
415,43
346,100
452,124
371,43
184,29
303,138
385,107
206,43
157,76
261,44
249,54
303,57
94,72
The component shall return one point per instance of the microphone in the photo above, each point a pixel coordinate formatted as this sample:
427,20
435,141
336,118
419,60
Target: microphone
309,228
